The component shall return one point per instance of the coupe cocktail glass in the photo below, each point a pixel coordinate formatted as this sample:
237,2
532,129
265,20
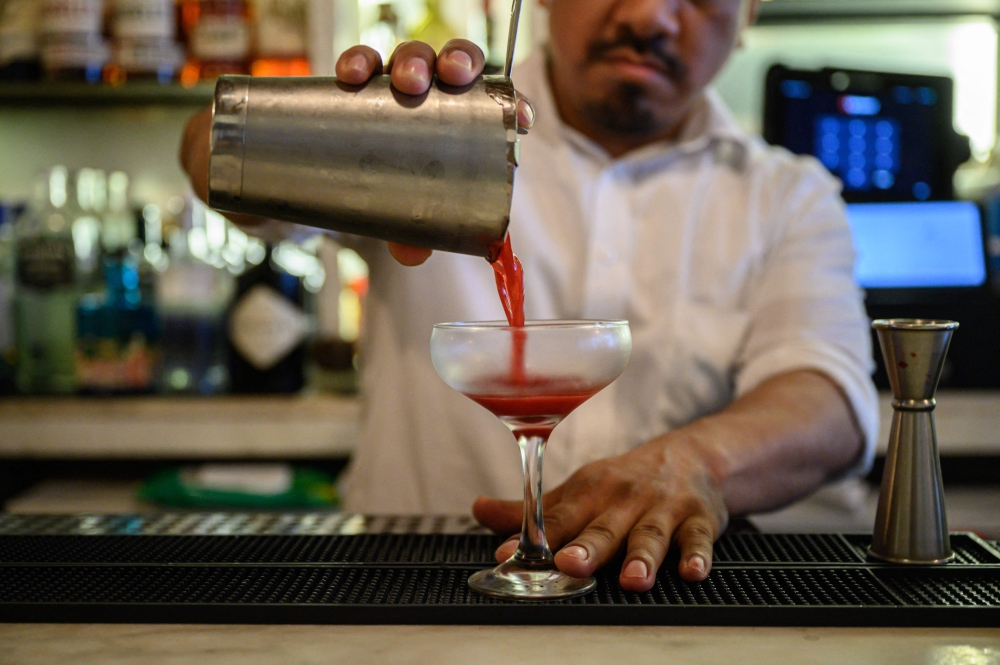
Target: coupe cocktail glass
530,377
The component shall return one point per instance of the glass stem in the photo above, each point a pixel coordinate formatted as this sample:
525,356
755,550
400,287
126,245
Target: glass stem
533,548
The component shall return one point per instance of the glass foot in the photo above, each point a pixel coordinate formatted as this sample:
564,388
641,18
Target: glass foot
515,580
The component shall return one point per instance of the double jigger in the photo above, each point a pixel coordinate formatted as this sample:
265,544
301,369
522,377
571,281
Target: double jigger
911,525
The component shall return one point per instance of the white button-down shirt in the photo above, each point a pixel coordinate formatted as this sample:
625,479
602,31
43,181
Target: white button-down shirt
731,260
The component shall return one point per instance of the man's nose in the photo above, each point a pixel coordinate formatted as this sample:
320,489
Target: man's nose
649,18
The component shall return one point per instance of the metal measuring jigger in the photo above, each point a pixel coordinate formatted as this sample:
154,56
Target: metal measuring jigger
911,525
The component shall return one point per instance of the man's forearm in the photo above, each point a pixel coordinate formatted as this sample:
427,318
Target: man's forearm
778,442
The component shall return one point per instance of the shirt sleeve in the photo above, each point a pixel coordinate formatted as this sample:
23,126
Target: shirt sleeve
806,310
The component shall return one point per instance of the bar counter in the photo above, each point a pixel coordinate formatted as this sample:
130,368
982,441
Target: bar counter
27,644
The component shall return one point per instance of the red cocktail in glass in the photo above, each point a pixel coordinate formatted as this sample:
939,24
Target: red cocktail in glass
530,377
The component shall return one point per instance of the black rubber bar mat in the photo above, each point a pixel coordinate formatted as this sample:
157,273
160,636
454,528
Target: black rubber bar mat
332,568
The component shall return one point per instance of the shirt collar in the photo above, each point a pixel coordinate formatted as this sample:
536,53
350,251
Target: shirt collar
710,126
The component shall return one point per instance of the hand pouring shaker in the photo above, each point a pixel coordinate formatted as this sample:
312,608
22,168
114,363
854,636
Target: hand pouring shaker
434,171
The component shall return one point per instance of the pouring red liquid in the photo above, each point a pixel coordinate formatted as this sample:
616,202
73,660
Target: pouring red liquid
510,286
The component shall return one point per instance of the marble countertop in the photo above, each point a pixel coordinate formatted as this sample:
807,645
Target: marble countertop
481,645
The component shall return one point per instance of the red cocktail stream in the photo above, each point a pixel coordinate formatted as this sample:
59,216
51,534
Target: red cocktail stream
510,285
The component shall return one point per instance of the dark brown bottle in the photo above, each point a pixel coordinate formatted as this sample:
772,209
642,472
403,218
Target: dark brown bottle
267,331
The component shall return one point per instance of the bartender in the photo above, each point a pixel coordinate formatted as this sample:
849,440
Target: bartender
637,197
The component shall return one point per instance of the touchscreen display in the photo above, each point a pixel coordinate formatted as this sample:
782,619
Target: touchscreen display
916,245
882,135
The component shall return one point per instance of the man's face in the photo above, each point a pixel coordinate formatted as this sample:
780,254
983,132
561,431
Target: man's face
631,68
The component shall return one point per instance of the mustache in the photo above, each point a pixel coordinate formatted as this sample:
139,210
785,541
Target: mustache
653,47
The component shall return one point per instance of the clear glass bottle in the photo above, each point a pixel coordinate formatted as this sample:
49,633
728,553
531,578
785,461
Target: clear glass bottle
192,296
383,36
46,289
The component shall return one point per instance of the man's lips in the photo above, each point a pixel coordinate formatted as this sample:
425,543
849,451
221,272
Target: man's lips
642,66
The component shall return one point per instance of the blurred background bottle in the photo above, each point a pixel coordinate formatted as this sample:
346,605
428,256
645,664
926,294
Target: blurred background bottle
433,29
46,290
384,34
117,348
19,47
144,41
218,34
8,341
193,292
73,45
282,44
268,328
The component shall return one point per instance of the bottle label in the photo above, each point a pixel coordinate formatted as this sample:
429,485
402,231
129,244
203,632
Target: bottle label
45,263
144,19
223,38
73,16
281,28
18,30
264,327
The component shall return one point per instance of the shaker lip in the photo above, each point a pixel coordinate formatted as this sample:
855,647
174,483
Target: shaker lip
227,141
914,324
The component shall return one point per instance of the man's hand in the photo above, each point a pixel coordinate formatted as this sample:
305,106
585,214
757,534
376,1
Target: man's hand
777,443
644,499
411,66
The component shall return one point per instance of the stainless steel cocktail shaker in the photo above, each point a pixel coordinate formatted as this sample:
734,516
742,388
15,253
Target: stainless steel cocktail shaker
434,171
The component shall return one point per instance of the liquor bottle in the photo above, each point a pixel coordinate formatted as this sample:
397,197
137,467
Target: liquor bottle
73,47
218,38
267,330
192,297
91,197
8,343
433,30
19,48
46,294
383,36
118,329
282,46
144,45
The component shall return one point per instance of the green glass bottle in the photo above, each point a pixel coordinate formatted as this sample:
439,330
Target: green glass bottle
46,289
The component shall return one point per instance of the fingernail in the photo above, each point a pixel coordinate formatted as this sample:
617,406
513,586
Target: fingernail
697,564
462,59
529,113
636,568
358,63
416,70
576,552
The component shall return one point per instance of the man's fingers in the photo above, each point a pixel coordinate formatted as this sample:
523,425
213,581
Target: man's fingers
358,64
411,67
460,62
647,546
502,517
597,543
696,535
409,255
507,549
195,151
